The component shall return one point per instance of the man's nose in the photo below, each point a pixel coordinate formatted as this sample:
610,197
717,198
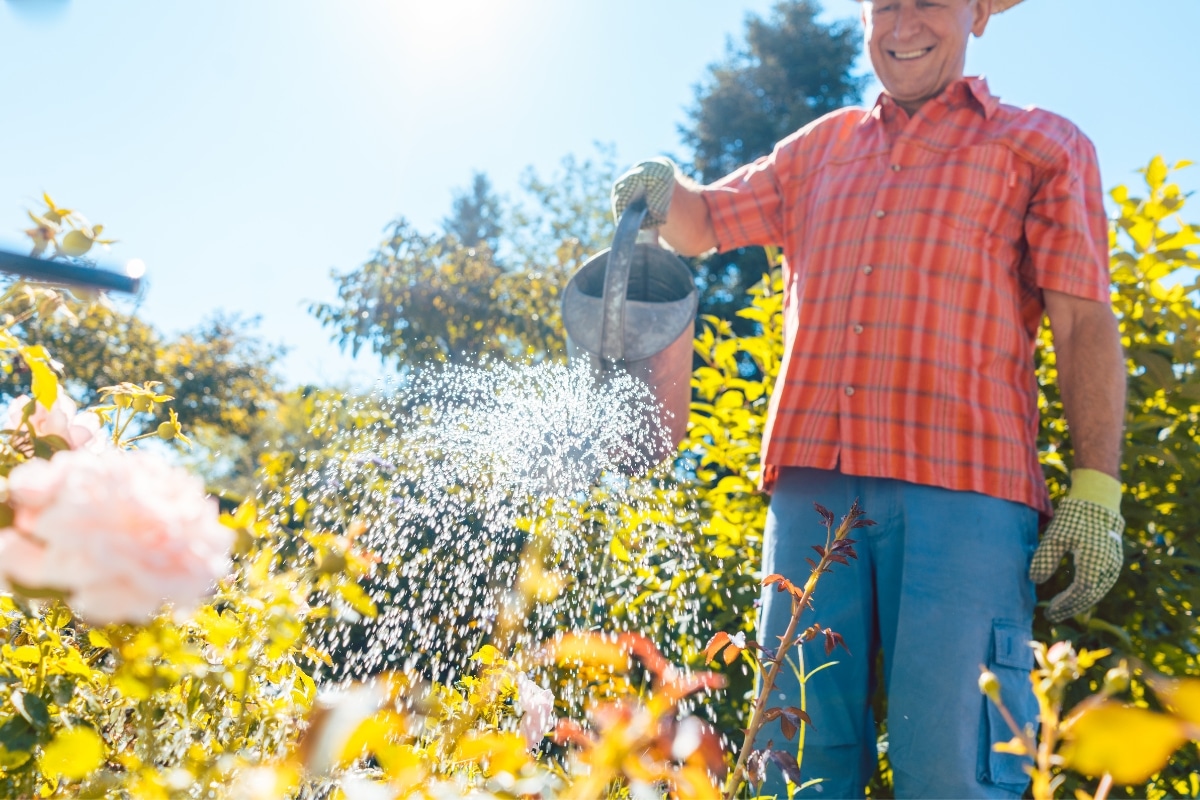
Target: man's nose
907,23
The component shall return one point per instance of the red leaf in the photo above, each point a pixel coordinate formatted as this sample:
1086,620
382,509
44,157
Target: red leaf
787,763
825,513
718,641
788,727
799,715
570,732
820,550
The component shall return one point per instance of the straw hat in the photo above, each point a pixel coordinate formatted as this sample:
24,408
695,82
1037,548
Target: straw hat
1000,5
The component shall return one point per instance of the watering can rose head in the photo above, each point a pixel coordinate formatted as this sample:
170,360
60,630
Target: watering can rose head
116,533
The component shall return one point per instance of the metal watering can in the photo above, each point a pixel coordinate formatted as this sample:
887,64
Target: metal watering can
633,308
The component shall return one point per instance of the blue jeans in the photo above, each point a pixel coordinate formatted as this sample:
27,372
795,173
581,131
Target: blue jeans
940,587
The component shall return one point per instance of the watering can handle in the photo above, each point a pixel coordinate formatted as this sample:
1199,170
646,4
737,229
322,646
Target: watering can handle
616,281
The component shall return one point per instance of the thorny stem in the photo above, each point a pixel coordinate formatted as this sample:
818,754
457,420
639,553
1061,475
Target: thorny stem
734,782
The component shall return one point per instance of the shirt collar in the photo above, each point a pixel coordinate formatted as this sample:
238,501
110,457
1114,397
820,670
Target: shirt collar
973,90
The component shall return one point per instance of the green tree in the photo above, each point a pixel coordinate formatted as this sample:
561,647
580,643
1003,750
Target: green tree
428,298
791,69
477,216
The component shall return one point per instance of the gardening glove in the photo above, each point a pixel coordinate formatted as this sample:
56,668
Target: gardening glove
1088,523
653,180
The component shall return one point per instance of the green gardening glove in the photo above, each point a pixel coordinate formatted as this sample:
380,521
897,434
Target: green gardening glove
653,180
1087,523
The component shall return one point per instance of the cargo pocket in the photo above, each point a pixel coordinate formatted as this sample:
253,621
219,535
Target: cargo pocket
1011,660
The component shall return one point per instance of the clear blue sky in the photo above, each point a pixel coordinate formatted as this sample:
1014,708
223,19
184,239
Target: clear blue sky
243,148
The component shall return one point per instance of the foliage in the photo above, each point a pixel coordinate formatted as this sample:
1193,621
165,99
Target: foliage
477,216
731,390
1150,612
792,70
425,298
222,376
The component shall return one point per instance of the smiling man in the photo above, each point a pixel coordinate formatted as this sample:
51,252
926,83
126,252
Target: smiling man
925,239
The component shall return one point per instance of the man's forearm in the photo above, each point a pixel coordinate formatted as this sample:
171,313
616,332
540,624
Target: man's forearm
1091,379
689,228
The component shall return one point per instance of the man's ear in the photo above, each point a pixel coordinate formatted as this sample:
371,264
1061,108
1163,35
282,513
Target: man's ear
983,13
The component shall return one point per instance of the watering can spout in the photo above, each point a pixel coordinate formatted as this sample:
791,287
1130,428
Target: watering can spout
632,308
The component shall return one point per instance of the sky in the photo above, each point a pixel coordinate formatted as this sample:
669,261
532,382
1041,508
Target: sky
244,149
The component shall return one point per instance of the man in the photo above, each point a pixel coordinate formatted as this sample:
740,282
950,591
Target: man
924,239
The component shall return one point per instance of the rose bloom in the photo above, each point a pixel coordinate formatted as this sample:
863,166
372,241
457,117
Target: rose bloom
61,419
119,532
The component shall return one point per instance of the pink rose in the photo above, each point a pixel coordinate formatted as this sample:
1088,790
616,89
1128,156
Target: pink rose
537,711
61,420
120,532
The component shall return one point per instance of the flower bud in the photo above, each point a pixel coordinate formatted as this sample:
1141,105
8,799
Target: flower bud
1116,680
167,431
123,401
143,402
331,563
989,684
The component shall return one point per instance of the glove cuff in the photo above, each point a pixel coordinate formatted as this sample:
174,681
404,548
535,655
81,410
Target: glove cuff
1096,487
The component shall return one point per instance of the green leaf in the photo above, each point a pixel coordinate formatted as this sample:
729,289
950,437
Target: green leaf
1158,368
17,740
32,708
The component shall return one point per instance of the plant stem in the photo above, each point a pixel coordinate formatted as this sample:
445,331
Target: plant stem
734,782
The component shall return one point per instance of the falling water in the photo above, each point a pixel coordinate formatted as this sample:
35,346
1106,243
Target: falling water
464,468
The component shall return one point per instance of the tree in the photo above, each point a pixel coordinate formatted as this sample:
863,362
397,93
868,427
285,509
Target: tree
478,215
791,70
427,298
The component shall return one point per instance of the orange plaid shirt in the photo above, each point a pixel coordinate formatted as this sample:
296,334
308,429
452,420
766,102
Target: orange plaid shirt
916,253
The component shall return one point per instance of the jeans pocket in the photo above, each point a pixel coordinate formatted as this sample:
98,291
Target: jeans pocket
1011,660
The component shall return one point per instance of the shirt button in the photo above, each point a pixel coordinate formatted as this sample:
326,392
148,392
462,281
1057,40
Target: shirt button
849,391
868,269
895,167
857,328
880,214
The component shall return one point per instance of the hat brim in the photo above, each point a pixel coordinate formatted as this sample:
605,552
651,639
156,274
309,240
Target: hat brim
998,5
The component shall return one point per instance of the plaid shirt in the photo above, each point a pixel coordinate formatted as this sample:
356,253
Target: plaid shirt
916,252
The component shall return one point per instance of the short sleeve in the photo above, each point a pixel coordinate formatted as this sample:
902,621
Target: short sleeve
746,206
1066,226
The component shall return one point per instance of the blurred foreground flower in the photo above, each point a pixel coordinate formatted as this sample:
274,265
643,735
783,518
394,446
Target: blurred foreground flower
537,711
62,421
115,533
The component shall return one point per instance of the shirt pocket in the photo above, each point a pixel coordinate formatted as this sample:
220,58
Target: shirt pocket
991,188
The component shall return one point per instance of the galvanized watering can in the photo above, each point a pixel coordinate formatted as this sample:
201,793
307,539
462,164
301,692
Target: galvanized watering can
633,308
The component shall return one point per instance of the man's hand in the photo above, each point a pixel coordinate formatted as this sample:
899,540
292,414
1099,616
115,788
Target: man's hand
1087,523
655,181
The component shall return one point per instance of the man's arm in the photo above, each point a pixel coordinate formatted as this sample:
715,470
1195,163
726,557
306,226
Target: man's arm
1091,379
689,228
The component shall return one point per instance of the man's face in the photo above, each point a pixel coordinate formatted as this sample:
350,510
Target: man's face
919,47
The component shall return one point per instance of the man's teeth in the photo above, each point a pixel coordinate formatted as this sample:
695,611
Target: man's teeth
911,54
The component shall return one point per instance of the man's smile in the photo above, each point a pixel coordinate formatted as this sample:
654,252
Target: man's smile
910,55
